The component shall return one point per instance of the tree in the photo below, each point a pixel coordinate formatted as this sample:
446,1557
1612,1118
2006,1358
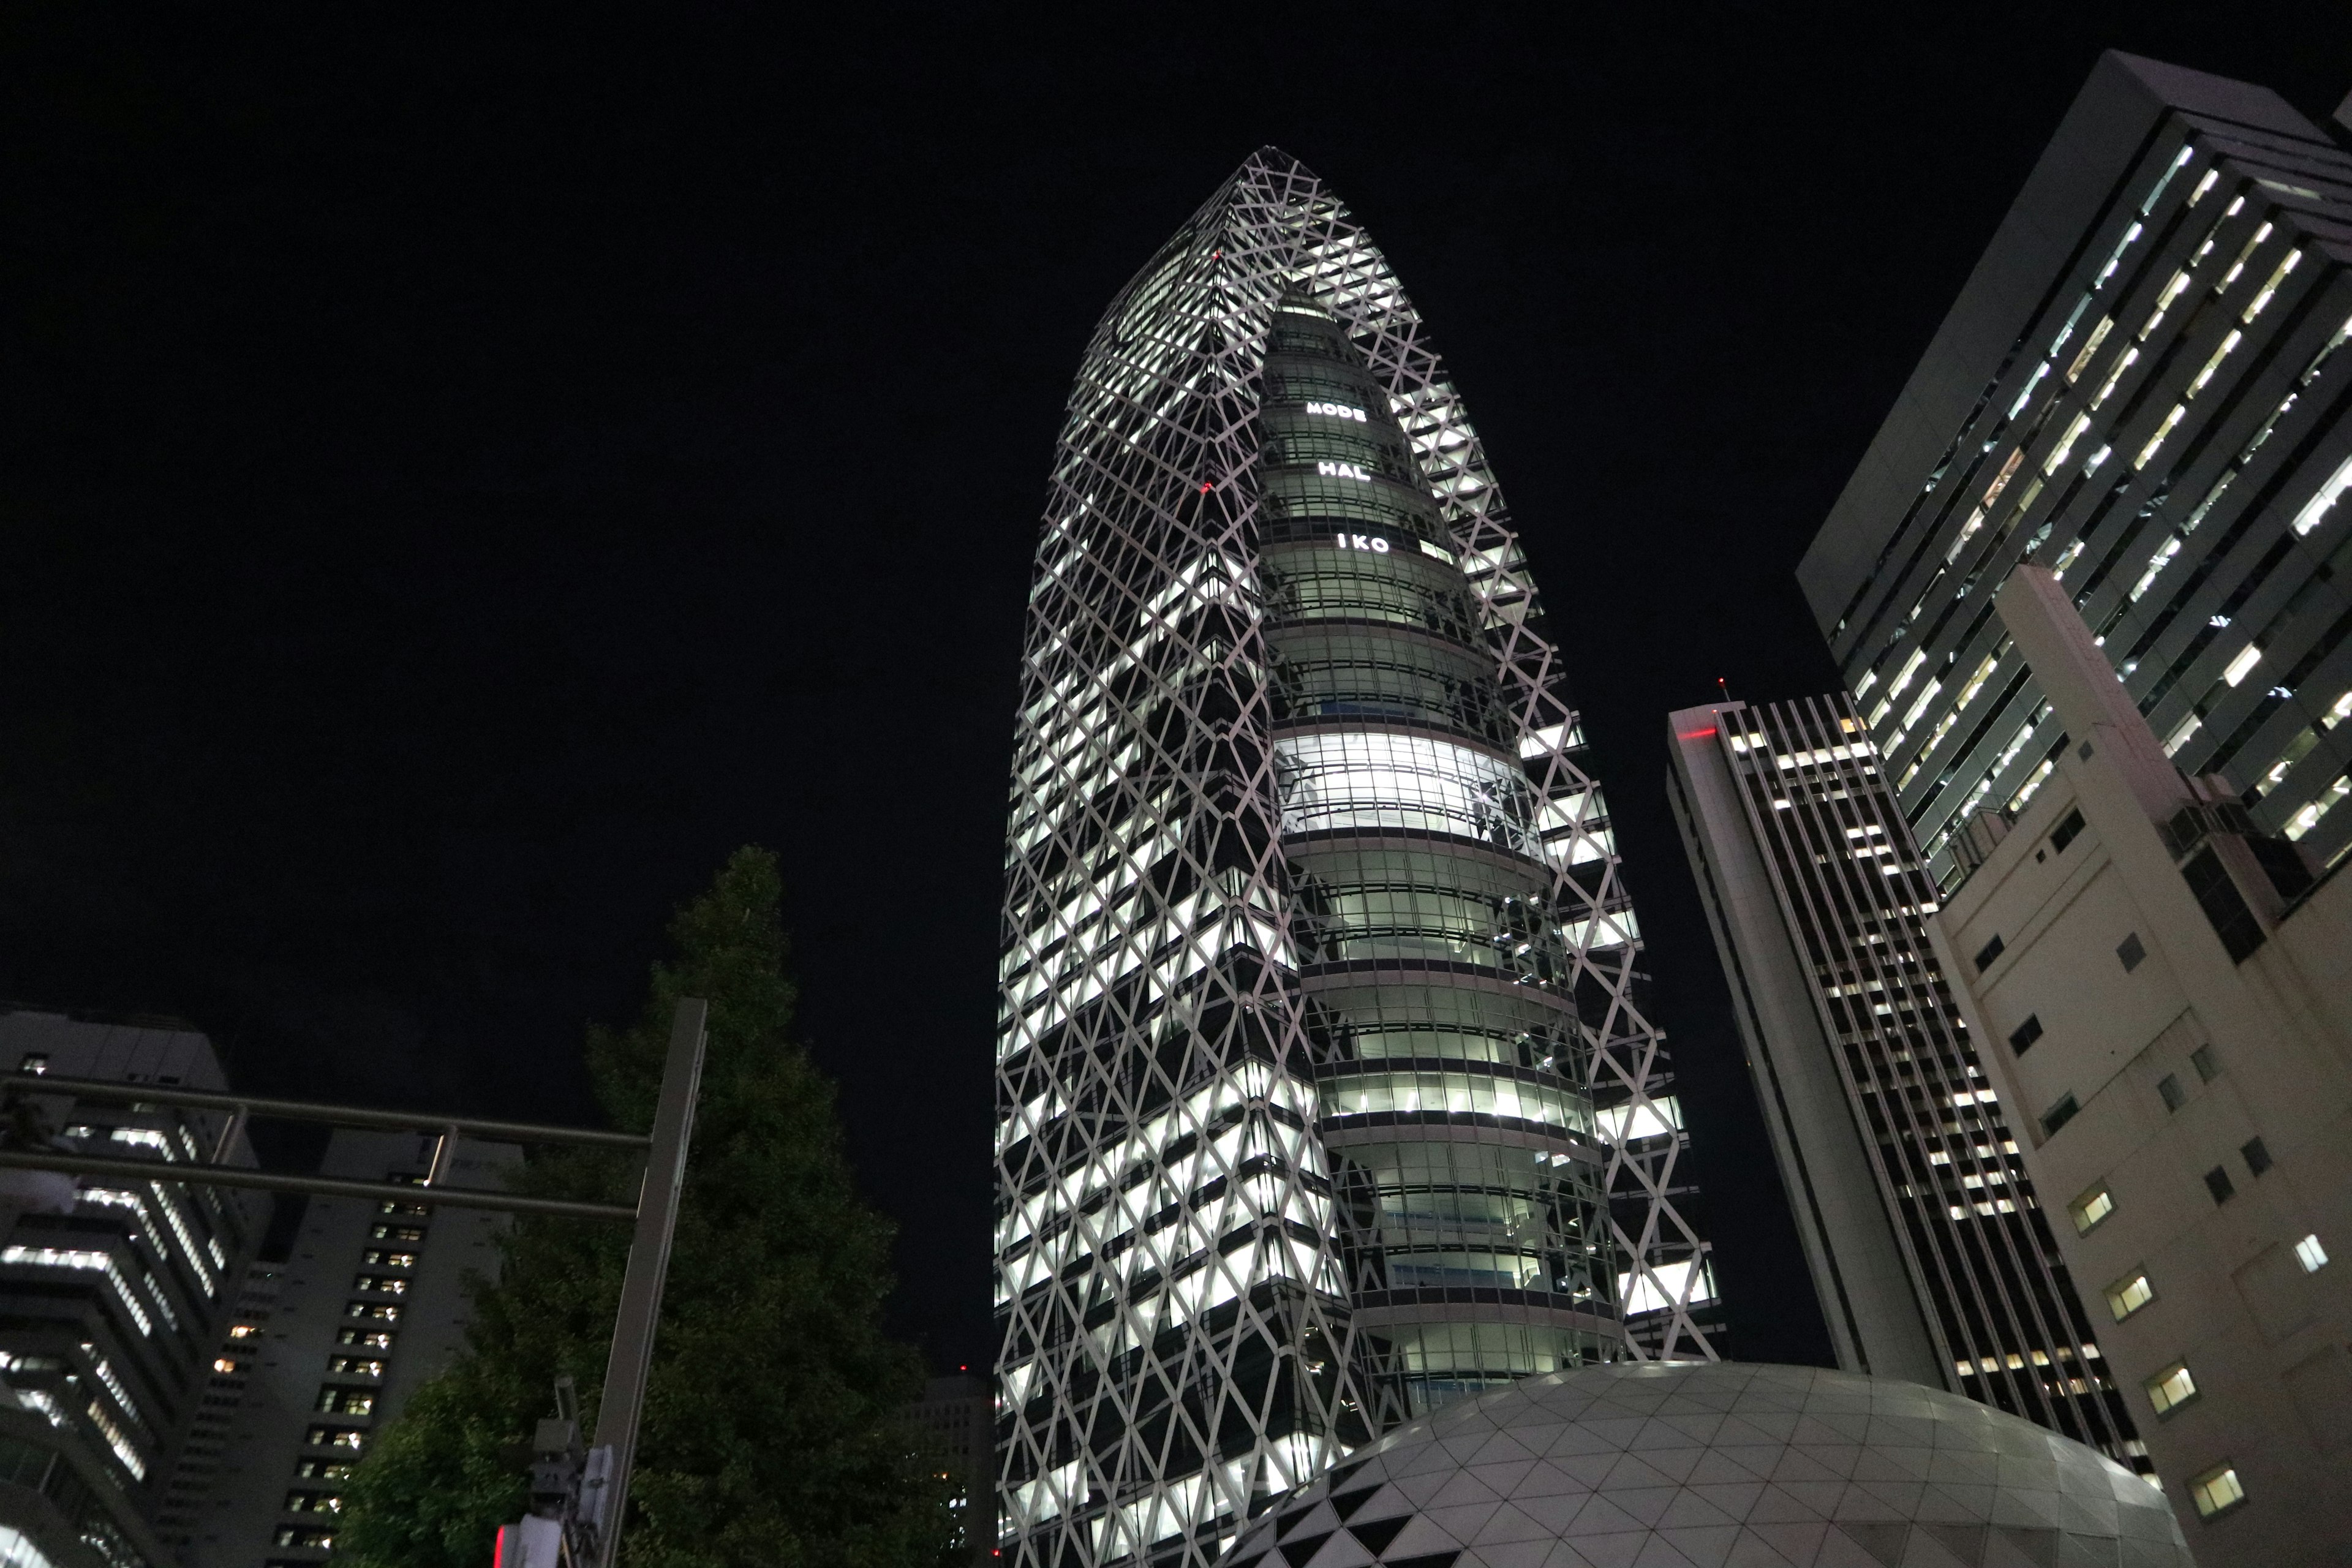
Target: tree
774,1428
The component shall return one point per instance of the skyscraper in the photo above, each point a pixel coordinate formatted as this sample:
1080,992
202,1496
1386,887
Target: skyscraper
1325,1091
1929,1249
2144,387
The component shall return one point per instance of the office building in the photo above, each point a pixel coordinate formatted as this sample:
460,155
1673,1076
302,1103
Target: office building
2159,991
959,1412
1325,1091
1928,1247
112,1293
2144,388
326,1345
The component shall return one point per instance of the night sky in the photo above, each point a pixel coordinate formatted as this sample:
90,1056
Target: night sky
459,476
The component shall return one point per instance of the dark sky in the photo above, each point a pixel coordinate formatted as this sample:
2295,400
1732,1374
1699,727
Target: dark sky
461,476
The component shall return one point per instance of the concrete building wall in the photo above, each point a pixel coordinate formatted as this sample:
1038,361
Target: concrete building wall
2179,1051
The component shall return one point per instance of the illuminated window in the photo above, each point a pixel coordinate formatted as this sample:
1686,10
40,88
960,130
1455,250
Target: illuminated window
223,1363
244,1330
2311,1255
2091,1209
2170,1389
2216,1492
1380,780
2128,1296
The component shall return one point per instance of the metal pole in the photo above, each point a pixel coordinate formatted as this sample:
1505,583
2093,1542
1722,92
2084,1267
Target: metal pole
317,1186
640,1287
444,1156
113,1091
230,1131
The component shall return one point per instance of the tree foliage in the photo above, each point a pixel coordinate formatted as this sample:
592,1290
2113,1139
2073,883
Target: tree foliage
774,1429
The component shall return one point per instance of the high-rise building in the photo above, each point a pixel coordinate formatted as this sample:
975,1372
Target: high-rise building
1326,1088
1929,1249
112,1294
326,1344
2160,994
2145,388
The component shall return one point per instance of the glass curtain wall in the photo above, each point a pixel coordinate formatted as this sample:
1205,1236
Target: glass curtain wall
1433,960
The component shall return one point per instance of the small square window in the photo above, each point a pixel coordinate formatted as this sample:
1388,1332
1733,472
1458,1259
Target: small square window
2170,1389
2091,1209
2311,1255
2064,834
2175,1096
2021,1038
1987,954
2258,1156
2126,1296
2217,1491
2208,1066
2058,1115
34,1062
2217,1181
2130,952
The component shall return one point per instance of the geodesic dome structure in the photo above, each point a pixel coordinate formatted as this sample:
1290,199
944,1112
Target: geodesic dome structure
1722,1465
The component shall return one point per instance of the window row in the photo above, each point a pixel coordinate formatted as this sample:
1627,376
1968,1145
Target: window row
1457,1094
1376,781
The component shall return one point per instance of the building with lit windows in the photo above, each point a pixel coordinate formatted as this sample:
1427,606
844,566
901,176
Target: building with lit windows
326,1344
959,1412
2157,991
1929,1250
1325,1092
113,1295
2146,387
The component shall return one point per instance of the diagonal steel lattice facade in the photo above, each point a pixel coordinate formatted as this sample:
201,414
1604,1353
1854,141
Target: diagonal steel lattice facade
1326,1093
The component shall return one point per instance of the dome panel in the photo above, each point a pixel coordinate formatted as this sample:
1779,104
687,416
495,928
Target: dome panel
1662,1465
